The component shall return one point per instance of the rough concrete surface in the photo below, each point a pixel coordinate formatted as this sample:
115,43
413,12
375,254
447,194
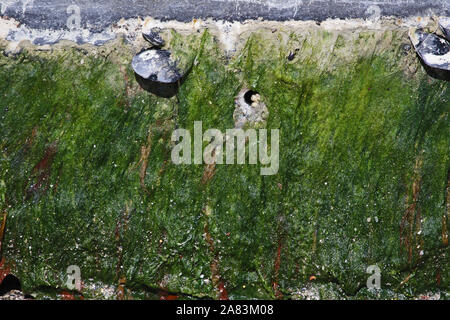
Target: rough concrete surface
45,22
96,15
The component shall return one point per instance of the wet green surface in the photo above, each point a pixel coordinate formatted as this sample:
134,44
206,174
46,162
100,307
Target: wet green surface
364,161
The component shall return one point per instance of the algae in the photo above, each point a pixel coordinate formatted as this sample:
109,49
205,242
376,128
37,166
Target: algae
363,178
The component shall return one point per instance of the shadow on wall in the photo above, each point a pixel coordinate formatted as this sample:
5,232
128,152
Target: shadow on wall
165,90
435,73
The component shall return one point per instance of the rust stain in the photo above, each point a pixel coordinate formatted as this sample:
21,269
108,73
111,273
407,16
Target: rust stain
145,153
277,265
121,290
128,89
222,294
411,221
214,265
65,295
4,269
404,281
41,171
208,173
438,277
46,161
164,295
121,227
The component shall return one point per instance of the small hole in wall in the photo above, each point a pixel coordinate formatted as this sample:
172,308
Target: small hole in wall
9,283
249,95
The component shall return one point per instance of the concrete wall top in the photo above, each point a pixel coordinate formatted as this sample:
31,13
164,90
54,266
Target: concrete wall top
96,15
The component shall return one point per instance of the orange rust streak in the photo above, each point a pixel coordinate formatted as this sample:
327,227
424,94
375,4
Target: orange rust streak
44,164
164,295
214,263
4,270
404,281
127,86
121,294
412,214
145,153
208,173
223,294
277,265
214,267
67,296
42,170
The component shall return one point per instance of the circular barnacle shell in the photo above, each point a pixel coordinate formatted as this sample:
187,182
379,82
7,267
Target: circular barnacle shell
156,65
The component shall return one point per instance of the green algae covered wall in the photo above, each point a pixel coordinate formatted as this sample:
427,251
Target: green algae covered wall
87,179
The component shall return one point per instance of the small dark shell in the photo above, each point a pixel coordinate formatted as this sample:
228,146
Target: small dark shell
154,38
156,65
291,56
433,50
157,73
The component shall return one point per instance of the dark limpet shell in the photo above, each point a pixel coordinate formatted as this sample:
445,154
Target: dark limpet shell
157,72
433,50
154,38
156,65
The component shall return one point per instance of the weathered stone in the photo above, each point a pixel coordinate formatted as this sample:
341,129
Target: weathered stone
53,12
